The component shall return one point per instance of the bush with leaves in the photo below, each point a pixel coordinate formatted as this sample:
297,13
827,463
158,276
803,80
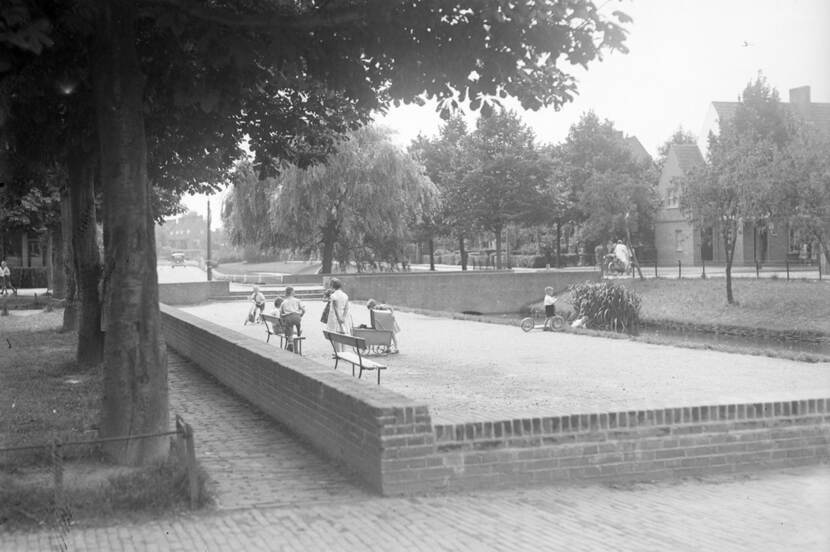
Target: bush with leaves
606,306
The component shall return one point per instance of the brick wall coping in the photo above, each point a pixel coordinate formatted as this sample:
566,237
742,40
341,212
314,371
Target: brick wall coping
629,420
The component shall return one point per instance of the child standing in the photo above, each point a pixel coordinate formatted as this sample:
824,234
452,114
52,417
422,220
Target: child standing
291,311
550,307
258,308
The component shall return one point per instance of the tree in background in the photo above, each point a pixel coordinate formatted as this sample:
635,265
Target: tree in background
805,174
358,206
612,193
446,163
738,183
506,175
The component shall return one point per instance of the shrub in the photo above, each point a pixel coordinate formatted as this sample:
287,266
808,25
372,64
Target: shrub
606,306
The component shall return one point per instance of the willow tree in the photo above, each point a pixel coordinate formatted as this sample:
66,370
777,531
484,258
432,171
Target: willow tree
364,54
359,205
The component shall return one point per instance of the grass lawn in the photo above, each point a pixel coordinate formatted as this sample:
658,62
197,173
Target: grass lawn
44,396
800,306
777,305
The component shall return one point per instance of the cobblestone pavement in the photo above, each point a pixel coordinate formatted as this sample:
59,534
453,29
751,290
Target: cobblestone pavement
788,510
467,371
251,459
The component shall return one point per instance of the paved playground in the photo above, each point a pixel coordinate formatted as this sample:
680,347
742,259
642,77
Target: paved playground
468,371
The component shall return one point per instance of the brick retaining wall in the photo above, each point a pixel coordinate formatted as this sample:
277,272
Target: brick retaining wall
389,440
494,292
643,444
341,418
191,293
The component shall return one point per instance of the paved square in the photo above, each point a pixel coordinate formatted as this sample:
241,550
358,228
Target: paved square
469,371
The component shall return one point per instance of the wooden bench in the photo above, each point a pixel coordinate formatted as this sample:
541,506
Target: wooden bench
355,357
274,326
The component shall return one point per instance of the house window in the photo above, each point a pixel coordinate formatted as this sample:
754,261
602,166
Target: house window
672,198
678,240
34,248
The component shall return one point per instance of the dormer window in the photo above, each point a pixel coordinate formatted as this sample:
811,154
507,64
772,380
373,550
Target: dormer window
672,198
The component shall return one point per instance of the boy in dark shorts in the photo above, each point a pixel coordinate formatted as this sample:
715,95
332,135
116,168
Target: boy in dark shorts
550,307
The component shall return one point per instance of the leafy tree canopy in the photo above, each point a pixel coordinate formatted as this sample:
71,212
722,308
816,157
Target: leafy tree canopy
357,206
612,192
740,181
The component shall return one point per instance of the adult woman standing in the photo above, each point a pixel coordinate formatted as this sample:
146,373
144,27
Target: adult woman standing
340,320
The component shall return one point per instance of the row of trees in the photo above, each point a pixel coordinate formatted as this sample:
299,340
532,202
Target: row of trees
767,165
369,199
497,175
140,101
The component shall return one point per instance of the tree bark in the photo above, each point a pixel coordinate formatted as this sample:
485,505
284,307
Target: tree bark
498,249
431,243
135,355
70,310
463,252
58,273
329,237
558,244
729,243
86,258
50,262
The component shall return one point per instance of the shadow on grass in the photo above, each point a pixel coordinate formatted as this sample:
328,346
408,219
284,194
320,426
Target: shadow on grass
45,396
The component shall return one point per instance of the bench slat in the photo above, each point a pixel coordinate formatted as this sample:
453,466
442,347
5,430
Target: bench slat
354,359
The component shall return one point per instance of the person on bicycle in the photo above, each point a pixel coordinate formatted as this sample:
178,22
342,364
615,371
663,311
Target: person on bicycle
550,308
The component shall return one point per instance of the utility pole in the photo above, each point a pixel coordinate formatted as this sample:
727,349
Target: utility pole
208,262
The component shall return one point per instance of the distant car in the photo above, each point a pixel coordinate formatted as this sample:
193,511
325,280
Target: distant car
178,259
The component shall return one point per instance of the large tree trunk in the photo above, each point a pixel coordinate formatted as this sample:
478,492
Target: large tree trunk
329,237
70,310
463,252
50,262
58,274
135,356
87,257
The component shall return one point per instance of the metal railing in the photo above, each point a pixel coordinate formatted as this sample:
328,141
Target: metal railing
785,269
182,448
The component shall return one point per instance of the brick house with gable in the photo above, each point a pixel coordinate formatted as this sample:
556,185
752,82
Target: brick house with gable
676,238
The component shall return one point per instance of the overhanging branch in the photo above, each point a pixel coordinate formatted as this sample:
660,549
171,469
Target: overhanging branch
288,19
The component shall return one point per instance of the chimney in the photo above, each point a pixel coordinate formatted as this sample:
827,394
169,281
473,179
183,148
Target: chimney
800,96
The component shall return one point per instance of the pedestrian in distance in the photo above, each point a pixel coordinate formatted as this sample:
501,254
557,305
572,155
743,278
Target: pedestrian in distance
6,278
340,319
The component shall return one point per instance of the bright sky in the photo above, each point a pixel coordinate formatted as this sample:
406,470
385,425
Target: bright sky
683,55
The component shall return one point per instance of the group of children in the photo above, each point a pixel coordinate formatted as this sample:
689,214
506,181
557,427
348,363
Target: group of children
288,309
336,316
